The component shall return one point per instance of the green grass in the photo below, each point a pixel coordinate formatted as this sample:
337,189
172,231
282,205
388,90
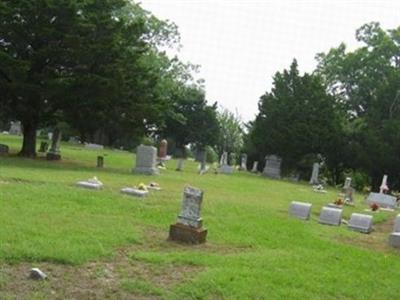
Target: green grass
254,249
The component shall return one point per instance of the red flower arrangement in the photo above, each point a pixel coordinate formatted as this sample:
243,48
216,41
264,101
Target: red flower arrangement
374,207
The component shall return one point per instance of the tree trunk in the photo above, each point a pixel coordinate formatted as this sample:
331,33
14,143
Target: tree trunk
29,140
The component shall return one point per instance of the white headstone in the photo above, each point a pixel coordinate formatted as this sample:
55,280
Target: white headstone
331,216
382,200
315,173
255,166
243,162
394,239
92,183
272,166
91,146
300,210
348,190
146,160
384,187
191,207
361,222
15,128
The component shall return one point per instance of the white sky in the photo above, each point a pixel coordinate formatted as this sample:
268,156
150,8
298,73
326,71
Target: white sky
241,44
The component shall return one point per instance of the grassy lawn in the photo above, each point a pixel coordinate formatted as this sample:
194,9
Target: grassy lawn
105,245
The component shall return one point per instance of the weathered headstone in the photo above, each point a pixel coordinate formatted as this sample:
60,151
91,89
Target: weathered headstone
181,164
243,162
15,128
37,274
146,157
100,161
162,152
315,174
255,166
4,149
331,216
394,238
272,166
384,187
348,190
225,168
361,222
54,152
203,162
382,200
44,146
301,210
189,226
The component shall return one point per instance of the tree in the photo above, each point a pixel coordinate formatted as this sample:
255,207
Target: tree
90,63
193,121
297,118
366,82
231,132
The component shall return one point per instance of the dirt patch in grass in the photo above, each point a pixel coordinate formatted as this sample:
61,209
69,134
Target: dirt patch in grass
118,277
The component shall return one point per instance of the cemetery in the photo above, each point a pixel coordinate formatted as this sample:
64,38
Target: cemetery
164,149
184,235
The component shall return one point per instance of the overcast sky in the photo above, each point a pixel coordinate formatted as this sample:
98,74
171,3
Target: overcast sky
241,44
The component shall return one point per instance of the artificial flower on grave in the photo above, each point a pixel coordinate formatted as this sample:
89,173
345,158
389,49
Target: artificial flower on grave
339,201
142,187
374,206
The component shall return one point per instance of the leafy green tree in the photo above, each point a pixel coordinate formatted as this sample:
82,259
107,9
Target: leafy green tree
193,121
91,63
366,82
231,133
297,118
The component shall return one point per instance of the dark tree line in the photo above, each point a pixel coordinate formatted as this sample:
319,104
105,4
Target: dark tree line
347,111
95,65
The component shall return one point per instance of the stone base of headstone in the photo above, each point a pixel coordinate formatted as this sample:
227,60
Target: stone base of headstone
146,171
394,240
53,156
187,234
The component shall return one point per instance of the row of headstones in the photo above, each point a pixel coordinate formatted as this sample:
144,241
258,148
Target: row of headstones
332,216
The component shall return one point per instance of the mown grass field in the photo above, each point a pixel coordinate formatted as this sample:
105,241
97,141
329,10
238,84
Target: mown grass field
105,245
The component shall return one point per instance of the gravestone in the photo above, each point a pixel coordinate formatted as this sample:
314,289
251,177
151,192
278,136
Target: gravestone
360,222
92,146
203,161
100,161
44,146
162,152
301,210
382,200
15,128
189,225
314,175
255,166
134,192
272,166
4,149
225,168
331,216
384,187
54,152
348,190
181,164
394,238
243,162
146,160
92,183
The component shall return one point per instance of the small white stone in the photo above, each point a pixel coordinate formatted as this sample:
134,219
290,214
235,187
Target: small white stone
37,274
